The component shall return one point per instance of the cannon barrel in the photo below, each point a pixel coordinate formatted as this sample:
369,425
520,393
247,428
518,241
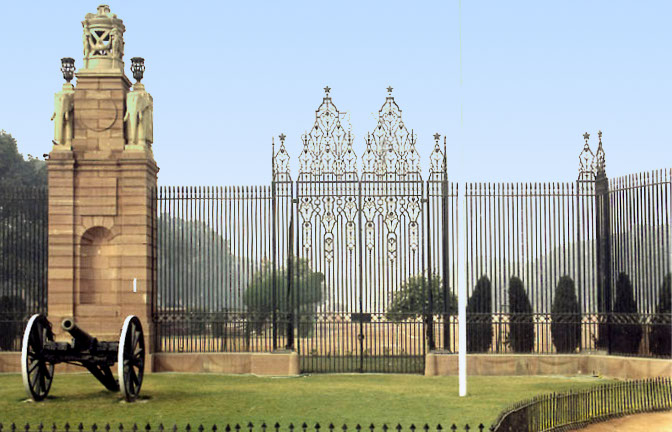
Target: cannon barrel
82,338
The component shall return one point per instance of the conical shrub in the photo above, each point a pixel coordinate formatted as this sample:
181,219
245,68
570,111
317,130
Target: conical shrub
565,317
626,330
521,324
660,336
479,317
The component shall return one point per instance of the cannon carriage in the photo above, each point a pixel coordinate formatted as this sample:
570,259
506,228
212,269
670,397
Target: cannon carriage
39,354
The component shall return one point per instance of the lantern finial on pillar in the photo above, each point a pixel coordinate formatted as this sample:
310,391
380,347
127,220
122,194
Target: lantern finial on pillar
138,68
68,68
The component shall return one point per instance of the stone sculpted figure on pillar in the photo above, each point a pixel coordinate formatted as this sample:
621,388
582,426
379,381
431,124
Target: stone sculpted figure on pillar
63,117
86,39
139,119
117,43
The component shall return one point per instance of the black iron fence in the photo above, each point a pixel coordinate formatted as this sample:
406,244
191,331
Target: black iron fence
215,269
637,286
521,239
23,260
603,246
533,271
576,409
223,273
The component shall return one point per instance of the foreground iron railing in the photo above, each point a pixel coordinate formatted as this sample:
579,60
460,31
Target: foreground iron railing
576,409
249,427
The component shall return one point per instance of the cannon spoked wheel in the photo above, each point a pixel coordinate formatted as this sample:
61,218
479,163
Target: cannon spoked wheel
131,360
36,372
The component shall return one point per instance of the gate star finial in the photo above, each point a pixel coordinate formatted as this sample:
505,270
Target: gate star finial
327,89
389,89
586,136
437,136
282,137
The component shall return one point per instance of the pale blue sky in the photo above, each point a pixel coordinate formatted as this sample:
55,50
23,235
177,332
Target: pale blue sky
227,76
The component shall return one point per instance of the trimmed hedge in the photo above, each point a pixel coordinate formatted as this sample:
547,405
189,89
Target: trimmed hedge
626,331
521,324
660,337
565,317
479,317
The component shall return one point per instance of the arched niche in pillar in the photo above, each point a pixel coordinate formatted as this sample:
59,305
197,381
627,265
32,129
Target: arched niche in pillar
99,273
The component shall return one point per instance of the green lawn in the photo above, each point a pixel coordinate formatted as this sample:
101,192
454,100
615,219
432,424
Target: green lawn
221,399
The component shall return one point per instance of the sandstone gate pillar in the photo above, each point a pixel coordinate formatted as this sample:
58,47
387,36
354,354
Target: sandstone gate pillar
102,179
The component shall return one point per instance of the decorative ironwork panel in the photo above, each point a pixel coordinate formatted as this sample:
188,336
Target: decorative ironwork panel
600,160
281,170
327,147
587,160
438,164
390,149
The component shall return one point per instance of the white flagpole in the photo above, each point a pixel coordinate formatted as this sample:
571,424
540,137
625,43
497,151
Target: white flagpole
462,298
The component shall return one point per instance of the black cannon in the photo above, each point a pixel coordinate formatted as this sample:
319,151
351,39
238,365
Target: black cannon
39,354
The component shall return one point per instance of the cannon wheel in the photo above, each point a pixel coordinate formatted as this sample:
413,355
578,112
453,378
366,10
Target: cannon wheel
131,360
37,374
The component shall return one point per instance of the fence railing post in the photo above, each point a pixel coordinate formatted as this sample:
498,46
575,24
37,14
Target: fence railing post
274,253
293,307
603,248
428,306
444,257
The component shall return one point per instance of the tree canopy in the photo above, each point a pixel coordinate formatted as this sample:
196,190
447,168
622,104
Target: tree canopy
15,171
412,299
306,295
196,270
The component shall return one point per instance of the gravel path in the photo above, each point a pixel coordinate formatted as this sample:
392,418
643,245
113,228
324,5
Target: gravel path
653,422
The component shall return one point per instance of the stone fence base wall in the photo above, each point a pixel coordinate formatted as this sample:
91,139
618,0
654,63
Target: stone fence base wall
275,364
287,364
550,364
